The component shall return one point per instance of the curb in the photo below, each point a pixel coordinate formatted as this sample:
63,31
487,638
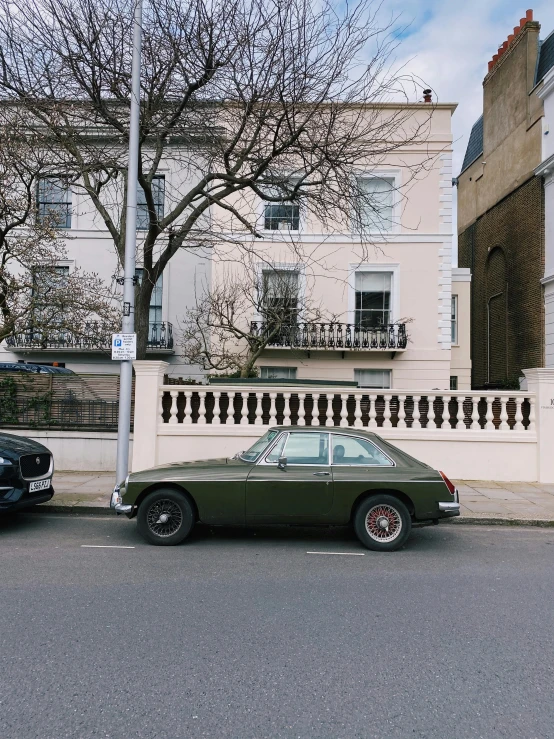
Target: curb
74,510
472,521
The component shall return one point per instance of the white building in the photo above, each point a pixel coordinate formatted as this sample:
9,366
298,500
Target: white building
400,315
90,247
546,170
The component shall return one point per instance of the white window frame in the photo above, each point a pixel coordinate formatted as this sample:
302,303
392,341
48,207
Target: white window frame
301,218
454,321
157,176
373,369
165,278
262,267
277,367
384,174
394,269
70,202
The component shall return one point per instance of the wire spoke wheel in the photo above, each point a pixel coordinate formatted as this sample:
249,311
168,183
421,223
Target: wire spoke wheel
383,523
164,517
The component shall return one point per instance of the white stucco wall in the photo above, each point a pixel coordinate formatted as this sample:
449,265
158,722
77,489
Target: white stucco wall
546,170
419,253
90,248
81,451
461,351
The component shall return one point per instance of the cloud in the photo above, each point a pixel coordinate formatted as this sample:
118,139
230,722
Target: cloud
449,45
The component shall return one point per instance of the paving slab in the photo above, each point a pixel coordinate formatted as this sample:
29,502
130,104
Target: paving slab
521,487
480,483
498,494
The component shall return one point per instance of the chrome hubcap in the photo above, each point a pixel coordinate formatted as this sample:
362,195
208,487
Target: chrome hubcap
164,518
383,523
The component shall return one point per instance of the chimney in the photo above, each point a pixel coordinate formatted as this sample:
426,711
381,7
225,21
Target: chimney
507,44
427,95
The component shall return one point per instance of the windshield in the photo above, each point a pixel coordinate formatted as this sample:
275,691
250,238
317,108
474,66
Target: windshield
256,449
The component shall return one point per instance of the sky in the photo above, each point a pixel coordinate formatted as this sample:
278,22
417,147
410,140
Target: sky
448,43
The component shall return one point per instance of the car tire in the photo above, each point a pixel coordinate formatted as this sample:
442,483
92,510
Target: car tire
165,517
371,516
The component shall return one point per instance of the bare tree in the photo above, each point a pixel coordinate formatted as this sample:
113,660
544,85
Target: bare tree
242,101
37,300
237,318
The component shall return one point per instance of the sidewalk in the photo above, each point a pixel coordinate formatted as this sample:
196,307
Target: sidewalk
481,501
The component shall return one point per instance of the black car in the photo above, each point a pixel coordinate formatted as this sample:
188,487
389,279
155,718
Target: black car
26,469
35,369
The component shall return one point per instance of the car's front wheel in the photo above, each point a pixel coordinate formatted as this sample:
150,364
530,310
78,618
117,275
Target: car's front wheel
382,523
165,517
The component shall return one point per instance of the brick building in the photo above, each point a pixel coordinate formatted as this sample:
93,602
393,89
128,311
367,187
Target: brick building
501,212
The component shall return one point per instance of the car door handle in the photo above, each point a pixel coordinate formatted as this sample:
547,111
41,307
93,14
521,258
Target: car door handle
321,474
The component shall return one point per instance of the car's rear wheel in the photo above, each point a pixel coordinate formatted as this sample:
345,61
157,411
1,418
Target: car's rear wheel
165,517
382,523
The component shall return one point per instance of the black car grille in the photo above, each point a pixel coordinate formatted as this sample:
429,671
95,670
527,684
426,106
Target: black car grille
34,465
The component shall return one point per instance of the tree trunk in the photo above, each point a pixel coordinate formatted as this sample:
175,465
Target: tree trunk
143,293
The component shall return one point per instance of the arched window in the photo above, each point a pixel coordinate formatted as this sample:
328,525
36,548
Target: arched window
497,316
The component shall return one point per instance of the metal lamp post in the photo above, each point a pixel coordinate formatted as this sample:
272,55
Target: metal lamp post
128,319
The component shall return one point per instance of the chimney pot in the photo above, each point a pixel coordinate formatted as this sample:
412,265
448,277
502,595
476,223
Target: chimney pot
529,15
427,95
510,38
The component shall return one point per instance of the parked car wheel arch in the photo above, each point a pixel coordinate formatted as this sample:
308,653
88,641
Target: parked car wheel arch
168,486
394,493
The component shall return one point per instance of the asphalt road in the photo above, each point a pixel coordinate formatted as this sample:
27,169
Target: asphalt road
244,634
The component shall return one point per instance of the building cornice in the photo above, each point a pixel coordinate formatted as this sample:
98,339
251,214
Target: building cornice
547,85
546,167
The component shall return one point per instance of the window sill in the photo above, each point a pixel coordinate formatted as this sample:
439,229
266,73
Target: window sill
281,231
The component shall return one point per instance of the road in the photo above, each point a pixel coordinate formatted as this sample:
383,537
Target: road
244,634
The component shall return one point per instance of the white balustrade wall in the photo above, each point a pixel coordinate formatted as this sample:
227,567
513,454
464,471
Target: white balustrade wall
470,435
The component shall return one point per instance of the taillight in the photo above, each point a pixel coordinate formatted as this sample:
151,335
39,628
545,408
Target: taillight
449,485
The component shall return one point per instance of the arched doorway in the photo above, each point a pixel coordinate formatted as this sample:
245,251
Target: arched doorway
497,317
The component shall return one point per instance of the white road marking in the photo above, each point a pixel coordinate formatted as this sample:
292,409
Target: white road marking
104,546
342,554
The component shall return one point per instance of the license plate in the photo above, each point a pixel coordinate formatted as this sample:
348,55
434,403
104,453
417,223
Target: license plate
39,485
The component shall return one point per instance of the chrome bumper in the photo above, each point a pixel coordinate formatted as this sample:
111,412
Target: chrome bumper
117,504
452,509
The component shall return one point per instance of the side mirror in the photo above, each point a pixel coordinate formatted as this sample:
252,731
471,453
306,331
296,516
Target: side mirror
282,463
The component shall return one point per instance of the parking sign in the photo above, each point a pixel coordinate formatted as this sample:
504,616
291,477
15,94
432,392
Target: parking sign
124,346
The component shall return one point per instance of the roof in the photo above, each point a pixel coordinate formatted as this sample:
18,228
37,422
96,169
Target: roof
546,57
348,430
475,144
545,62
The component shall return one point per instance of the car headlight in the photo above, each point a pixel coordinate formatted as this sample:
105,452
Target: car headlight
3,460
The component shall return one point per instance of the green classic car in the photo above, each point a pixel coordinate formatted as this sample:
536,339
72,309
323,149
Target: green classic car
293,475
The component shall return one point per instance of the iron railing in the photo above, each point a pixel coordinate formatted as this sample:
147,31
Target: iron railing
94,337
341,336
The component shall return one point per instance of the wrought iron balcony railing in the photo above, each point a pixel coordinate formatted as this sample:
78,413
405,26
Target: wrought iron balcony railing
335,336
94,337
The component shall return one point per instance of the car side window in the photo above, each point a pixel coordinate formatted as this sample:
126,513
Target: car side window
351,450
277,451
307,448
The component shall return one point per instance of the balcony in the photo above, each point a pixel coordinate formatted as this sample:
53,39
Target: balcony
93,339
335,337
